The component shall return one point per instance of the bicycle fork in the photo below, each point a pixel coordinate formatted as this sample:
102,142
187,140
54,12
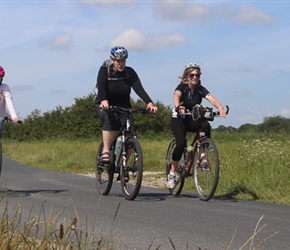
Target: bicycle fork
202,159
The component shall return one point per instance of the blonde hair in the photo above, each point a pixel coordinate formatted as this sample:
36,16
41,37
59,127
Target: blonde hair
185,74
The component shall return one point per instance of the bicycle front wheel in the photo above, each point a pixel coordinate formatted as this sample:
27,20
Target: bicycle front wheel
179,181
206,169
132,172
104,173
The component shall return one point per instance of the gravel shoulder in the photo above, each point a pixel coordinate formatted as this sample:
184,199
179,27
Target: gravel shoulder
150,179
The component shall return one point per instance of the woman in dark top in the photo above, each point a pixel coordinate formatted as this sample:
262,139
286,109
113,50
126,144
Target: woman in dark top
114,83
188,93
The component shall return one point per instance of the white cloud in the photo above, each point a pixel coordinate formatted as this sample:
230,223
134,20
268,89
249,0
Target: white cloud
58,43
285,112
187,11
179,10
134,40
249,14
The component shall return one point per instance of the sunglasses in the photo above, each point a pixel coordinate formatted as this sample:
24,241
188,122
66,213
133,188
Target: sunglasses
194,75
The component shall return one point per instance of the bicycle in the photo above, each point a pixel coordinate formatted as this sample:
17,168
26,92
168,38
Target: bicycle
199,160
5,119
126,159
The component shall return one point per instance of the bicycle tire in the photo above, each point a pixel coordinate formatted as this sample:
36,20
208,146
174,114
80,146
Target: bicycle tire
206,176
180,179
134,169
104,173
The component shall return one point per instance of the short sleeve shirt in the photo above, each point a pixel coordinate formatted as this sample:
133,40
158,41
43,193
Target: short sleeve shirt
191,98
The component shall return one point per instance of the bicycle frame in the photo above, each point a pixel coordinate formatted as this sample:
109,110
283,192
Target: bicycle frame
129,165
124,132
201,162
196,146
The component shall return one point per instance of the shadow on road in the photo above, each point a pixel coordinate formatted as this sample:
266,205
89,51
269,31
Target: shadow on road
22,193
153,197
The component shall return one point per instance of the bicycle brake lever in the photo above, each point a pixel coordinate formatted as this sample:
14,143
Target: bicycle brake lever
218,113
228,109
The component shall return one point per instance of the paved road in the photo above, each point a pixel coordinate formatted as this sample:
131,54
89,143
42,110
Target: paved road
154,219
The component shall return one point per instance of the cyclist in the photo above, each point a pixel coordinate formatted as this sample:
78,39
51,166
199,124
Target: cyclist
114,83
6,102
188,93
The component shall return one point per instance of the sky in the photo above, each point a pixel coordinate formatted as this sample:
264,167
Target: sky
52,51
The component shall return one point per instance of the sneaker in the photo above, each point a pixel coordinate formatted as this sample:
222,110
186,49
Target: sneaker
171,181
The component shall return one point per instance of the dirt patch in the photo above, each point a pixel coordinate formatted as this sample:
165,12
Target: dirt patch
150,179
154,179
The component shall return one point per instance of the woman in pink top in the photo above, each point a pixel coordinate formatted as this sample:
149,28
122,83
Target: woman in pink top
6,103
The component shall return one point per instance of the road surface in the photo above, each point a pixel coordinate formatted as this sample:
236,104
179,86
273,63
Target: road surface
155,219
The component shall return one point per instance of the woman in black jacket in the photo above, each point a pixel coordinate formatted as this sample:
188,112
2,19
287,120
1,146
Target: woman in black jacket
114,83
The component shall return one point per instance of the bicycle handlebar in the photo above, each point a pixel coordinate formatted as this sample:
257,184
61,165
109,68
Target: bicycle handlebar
130,110
6,119
218,113
187,112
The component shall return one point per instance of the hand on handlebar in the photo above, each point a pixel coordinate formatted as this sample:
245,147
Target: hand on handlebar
181,110
222,112
104,104
15,120
151,107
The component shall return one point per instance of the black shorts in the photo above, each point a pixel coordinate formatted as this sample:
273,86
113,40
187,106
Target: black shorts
113,120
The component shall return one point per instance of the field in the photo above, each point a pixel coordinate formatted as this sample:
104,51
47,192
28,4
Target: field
253,166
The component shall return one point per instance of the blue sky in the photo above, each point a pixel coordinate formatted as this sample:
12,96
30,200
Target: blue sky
52,51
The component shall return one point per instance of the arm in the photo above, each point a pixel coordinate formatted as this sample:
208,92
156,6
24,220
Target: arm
177,99
102,87
9,103
217,104
140,91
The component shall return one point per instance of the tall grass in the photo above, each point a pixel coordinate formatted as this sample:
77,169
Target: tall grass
48,231
252,166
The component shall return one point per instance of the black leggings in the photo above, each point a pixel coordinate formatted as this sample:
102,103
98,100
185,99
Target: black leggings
180,127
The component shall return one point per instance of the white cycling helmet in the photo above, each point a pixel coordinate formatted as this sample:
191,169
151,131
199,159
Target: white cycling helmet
192,65
118,53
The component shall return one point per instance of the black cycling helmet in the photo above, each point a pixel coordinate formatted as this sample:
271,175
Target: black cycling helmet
119,52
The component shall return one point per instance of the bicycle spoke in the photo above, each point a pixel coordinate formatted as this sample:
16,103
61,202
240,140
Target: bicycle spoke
206,170
104,174
132,174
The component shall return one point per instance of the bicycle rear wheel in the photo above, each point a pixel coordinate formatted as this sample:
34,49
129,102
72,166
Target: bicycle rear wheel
206,174
179,182
104,173
132,174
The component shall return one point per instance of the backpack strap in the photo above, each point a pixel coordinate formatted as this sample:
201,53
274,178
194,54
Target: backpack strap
108,64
